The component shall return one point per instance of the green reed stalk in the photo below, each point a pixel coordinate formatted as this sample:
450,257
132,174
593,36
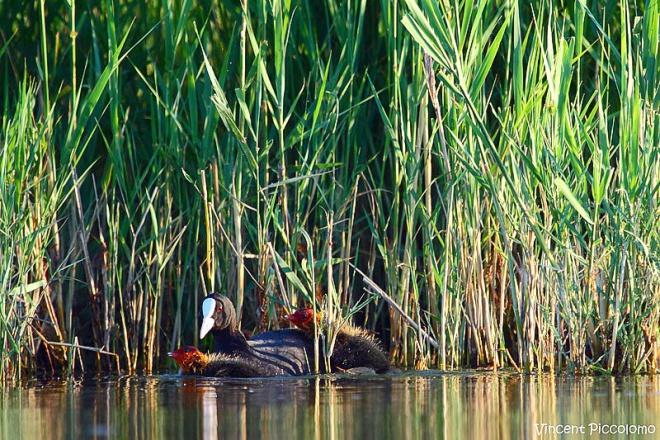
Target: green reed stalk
509,211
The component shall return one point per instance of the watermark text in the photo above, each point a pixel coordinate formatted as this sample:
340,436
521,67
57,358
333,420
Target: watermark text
593,429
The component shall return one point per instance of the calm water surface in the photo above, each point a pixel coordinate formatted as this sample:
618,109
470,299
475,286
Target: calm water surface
398,406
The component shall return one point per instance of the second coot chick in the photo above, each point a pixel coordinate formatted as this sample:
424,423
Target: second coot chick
354,347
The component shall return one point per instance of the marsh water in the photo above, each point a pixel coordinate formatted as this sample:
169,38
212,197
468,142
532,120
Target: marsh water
416,405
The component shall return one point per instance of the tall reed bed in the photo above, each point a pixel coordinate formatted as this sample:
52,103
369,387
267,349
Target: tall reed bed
474,181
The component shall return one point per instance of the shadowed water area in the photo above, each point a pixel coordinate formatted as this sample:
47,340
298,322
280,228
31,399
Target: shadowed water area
393,406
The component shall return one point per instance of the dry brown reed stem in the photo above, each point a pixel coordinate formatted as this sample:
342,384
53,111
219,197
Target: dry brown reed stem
374,288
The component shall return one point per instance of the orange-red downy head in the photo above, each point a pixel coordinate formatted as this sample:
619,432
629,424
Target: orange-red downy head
189,358
304,318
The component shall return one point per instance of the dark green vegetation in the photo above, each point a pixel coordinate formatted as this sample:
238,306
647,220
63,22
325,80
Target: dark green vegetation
156,151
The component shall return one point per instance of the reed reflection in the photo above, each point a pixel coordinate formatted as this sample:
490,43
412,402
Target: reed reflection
430,405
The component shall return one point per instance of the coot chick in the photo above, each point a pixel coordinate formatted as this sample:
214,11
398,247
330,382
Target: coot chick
354,348
194,362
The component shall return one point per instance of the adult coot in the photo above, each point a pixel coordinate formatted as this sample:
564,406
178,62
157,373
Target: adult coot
288,352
